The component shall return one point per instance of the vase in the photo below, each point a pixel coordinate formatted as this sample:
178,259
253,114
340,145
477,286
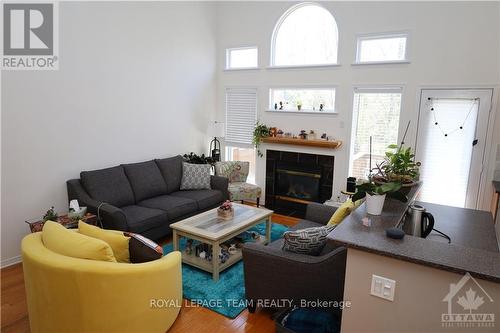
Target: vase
374,203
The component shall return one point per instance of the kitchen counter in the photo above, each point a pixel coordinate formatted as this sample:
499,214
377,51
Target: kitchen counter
473,246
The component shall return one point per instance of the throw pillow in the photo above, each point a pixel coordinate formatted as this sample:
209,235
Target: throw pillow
195,176
116,239
69,243
306,241
143,249
343,211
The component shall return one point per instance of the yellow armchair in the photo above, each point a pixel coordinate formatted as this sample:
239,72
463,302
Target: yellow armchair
68,294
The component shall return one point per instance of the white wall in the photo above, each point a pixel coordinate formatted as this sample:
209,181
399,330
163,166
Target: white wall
451,45
136,81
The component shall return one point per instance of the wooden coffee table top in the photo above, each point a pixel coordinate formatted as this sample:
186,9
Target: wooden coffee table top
209,226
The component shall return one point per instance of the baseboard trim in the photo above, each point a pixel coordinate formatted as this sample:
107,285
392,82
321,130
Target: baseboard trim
11,261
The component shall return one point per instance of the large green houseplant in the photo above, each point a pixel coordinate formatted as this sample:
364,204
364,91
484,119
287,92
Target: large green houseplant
376,193
398,166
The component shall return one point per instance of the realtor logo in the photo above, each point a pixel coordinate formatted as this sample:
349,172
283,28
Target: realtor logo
468,305
29,38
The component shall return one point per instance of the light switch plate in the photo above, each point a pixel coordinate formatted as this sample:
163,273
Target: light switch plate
383,287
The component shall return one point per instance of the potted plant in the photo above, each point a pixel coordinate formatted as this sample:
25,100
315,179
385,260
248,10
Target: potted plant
260,131
299,105
376,193
50,215
197,159
399,166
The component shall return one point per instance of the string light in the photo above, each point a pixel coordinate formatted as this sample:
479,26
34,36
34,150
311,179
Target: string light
461,127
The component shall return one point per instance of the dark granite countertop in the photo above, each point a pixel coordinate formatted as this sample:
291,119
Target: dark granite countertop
473,246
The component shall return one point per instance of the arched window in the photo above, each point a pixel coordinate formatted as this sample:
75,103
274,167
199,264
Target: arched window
305,35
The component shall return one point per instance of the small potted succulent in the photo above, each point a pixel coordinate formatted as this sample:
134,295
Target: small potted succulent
376,193
226,211
299,105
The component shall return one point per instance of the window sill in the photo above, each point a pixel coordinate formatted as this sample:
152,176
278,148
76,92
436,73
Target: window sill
241,69
327,112
380,62
304,66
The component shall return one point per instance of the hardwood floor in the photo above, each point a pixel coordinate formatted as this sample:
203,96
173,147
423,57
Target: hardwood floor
14,309
14,312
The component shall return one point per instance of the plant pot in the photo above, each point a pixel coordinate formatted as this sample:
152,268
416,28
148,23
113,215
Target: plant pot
374,204
379,180
406,188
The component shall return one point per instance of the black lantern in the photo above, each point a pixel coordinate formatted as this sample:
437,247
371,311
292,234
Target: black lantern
215,130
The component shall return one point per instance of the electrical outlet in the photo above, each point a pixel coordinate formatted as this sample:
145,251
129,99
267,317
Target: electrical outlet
383,287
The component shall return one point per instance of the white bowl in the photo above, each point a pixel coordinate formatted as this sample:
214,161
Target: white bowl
78,215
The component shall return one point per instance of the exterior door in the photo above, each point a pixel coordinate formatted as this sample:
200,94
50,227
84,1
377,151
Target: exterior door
451,139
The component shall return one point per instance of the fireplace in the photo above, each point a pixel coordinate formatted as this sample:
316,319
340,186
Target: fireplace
295,179
297,185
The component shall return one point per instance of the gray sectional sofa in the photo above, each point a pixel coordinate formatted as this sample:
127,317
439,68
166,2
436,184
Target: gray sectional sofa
144,198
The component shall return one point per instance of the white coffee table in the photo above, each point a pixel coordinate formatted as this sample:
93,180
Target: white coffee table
208,228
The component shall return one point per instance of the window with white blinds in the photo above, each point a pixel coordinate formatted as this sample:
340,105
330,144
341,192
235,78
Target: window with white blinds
375,114
241,115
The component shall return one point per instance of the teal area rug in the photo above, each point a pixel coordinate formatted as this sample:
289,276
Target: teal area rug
226,296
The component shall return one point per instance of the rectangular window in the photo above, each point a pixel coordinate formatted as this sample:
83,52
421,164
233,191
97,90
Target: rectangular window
382,48
241,58
243,154
376,114
241,116
302,99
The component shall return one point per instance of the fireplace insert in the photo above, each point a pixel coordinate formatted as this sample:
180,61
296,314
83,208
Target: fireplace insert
295,179
297,186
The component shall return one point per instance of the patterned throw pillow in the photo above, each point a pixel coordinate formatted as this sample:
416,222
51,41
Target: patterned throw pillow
195,176
306,241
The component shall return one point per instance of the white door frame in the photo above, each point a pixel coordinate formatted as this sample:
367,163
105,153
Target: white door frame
486,95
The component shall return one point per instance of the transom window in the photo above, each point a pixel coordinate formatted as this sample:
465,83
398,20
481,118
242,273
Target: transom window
241,58
305,35
382,48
